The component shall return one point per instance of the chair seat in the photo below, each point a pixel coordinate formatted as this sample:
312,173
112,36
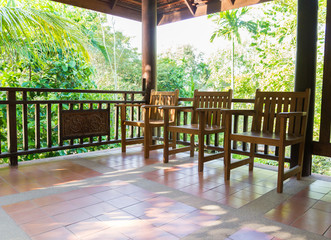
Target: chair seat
265,138
156,123
194,129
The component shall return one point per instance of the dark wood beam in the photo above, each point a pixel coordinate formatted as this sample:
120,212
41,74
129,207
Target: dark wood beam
190,6
325,126
112,3
149,26
104,7
212,6
305,70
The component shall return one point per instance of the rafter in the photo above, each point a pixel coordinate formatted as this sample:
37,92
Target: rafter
112,3
190,6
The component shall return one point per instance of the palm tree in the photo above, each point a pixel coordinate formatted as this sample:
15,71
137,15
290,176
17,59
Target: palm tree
229,25
28,32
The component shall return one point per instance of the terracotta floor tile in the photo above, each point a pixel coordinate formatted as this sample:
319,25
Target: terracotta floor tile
96,189
123,201
128,189
152,234
138,209
84,201
233,201
57,208
161,202
310,194
87,227
314,220
319,189
40,225
323,206
6,189
158,220
246,195
213,195
99,208
72,194
258,189
328,233
249,234
59,233
47,200
27,215
326,198
108,195
71,217
143,195
201,218
116,218
106,234
180,208
285,216
20,206
180,227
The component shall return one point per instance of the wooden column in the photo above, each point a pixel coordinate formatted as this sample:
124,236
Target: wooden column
149,24
325,128
305,69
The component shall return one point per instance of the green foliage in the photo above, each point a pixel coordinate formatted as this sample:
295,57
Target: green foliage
182,69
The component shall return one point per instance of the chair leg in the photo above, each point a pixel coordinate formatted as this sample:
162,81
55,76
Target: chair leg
146,141
227,156
201,152
300,159
165,146
281,159
192,146
123,137
174,140
251,157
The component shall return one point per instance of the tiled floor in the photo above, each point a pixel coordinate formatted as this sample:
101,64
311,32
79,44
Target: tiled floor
309,209
110,195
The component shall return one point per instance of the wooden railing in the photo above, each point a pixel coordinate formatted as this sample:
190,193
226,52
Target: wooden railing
43,120
30,119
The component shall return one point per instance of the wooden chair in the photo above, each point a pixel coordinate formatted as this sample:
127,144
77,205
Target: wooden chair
280,120
206,119
152,117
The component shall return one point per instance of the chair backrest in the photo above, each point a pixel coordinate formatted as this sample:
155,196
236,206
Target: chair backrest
211,100
163,99
269,104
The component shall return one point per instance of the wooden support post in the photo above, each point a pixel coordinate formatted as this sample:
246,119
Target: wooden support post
149,25
325,128
305,70
12,126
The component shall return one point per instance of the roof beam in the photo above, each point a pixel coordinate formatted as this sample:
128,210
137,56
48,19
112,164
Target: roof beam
190,6
112,3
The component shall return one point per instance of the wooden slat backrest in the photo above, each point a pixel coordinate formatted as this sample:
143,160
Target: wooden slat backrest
269,104
163,99
211,100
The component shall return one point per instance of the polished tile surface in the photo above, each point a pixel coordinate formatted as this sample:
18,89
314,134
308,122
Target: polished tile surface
114,195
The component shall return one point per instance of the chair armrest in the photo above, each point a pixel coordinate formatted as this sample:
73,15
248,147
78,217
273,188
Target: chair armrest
208,109
128,105
150,106
175,107
245,112
292,114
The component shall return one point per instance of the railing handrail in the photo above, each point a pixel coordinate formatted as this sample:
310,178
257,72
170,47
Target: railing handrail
235,100
67,90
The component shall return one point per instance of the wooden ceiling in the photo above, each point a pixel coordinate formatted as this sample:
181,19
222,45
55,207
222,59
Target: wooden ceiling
168,11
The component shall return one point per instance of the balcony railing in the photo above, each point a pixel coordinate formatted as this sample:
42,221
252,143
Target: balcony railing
44,120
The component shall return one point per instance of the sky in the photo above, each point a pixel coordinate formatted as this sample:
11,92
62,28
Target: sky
194,31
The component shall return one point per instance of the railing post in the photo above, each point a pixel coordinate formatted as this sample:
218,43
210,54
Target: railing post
12,126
